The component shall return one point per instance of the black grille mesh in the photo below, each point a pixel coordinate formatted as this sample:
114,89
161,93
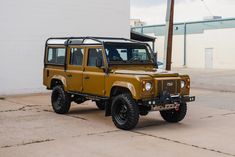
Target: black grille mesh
172,86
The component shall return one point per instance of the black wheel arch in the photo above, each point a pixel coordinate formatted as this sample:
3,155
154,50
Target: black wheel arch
117,90
55,82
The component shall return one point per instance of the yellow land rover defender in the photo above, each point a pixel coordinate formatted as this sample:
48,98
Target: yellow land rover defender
120,75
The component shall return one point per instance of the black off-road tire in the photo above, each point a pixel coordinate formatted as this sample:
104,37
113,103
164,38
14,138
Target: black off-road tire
60,100
125,112
174,116
100,105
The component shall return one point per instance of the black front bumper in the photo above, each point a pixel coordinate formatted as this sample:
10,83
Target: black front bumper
168,100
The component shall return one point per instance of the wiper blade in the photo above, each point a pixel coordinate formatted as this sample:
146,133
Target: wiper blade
142,61
134,60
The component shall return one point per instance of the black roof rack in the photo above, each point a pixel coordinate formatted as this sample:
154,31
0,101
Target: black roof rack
82,40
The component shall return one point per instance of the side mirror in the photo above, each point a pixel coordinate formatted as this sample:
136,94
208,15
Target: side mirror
155,55
99,62
155,59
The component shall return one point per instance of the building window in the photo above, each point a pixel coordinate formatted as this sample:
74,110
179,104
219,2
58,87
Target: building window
93,55
76,56
56,56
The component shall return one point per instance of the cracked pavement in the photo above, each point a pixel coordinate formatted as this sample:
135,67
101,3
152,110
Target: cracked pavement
29,126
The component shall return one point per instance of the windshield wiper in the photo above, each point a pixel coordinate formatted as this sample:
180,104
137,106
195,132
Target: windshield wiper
140,61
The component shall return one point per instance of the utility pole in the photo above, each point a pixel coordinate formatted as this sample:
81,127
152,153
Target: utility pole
169,34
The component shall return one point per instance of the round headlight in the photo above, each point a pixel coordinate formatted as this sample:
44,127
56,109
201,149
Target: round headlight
148,86
182,84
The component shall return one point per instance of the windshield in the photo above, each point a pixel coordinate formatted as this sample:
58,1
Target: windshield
127,53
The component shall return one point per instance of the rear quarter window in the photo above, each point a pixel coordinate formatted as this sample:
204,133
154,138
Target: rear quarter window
56,56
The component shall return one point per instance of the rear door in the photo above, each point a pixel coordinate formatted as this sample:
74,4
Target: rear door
54,63
75,68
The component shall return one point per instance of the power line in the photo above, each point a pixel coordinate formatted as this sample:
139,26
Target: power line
207,8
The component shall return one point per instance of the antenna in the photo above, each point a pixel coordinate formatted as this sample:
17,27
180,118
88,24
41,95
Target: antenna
207,8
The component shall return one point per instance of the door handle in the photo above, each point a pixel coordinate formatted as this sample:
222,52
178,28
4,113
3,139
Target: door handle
69,75
86,77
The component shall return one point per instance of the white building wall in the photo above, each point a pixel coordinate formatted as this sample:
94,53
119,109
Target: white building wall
177,50
26,24
221,40
195,50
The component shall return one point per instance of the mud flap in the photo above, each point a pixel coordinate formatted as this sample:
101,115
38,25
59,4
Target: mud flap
107,108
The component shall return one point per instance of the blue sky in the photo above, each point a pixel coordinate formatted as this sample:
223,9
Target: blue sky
153,11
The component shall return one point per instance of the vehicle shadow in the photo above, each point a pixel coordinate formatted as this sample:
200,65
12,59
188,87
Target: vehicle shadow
87,111
84,108
156,123
152,121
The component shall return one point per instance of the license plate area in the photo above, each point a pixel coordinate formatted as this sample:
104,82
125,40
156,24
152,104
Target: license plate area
164,107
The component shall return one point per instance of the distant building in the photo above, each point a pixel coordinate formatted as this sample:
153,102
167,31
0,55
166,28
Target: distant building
212,18
136,23
199,44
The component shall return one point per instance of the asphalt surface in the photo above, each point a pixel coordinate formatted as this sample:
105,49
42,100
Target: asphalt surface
29,127
216,80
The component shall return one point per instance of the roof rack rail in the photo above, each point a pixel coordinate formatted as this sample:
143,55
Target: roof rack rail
68,40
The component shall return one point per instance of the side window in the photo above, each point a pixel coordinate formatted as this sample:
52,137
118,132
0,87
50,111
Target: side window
56,56
93,55
76,56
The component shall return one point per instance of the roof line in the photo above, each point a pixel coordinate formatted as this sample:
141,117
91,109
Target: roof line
97,39
192,22
144,35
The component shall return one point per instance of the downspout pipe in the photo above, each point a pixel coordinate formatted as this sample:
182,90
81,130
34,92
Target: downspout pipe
153,45
185,45
142,29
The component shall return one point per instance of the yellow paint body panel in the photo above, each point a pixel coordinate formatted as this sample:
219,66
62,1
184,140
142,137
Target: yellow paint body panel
96,81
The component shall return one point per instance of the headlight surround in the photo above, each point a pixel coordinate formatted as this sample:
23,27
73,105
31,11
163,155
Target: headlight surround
148,86
182,84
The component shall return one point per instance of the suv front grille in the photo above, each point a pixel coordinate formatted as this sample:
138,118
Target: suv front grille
172,86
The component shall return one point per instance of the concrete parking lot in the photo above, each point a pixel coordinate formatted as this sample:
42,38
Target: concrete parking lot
29,127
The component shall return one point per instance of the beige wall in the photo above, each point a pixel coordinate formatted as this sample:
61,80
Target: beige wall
221,40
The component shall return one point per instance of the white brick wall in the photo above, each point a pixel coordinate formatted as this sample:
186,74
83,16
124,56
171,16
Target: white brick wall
26,24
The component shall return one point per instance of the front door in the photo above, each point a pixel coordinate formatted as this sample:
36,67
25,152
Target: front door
93,76
75,68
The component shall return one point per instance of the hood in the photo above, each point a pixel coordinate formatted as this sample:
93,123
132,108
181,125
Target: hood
152,73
